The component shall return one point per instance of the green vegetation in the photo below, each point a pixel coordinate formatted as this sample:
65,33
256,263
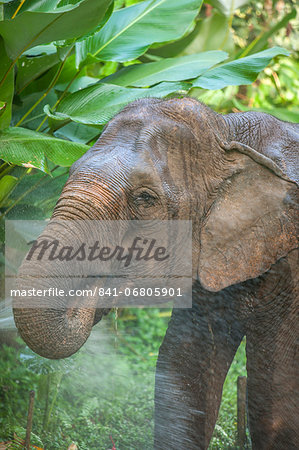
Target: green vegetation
67,66
107,389
60,83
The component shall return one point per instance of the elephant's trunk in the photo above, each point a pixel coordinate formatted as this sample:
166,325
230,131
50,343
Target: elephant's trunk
58,328
54,333
55,328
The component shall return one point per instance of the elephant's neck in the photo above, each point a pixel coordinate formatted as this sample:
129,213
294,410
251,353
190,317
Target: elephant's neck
267,135
252,134
260,130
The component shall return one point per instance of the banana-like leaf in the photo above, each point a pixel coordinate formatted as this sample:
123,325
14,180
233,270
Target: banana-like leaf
40,22
31,149
130,31
238,72
97,104
77,132
214,33
169,69
31,68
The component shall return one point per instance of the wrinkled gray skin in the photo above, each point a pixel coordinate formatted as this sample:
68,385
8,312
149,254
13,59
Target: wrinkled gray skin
235,177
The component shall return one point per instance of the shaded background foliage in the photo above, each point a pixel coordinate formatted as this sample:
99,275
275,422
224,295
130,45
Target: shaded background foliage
67,66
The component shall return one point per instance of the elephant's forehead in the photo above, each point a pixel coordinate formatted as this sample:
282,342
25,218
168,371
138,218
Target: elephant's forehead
146,132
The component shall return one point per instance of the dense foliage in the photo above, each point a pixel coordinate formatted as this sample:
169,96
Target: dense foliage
67,66
105,391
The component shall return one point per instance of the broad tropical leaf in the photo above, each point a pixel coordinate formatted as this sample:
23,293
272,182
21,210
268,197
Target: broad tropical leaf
130,31
214,33
170,69
98,103
78,132
176,48
238,72
31,149
31,68
43,21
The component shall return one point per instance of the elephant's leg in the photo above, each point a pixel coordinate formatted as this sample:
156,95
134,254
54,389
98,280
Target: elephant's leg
194,358
273,366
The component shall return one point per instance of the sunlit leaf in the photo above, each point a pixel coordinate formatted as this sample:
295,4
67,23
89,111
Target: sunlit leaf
99,103
41,22
130,31
31,149
169,69
238,72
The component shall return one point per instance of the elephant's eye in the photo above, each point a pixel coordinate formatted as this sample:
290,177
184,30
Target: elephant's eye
145,199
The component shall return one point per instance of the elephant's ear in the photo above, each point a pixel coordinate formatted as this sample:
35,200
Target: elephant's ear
250,225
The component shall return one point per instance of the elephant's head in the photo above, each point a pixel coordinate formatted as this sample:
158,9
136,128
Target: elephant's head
177,159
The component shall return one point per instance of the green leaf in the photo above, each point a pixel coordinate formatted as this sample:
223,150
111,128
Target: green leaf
42,22
31,68
7,184
130,31
78,84
6,89
39,50
99,103
238,72
214,33
176,48
31,149
33,120
170,69
78,132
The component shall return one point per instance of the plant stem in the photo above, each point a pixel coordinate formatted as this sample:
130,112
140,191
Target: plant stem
33,118
53,401
46,412
52,84
29,420
18,8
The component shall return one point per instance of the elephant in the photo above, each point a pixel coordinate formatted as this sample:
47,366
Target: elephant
235,176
